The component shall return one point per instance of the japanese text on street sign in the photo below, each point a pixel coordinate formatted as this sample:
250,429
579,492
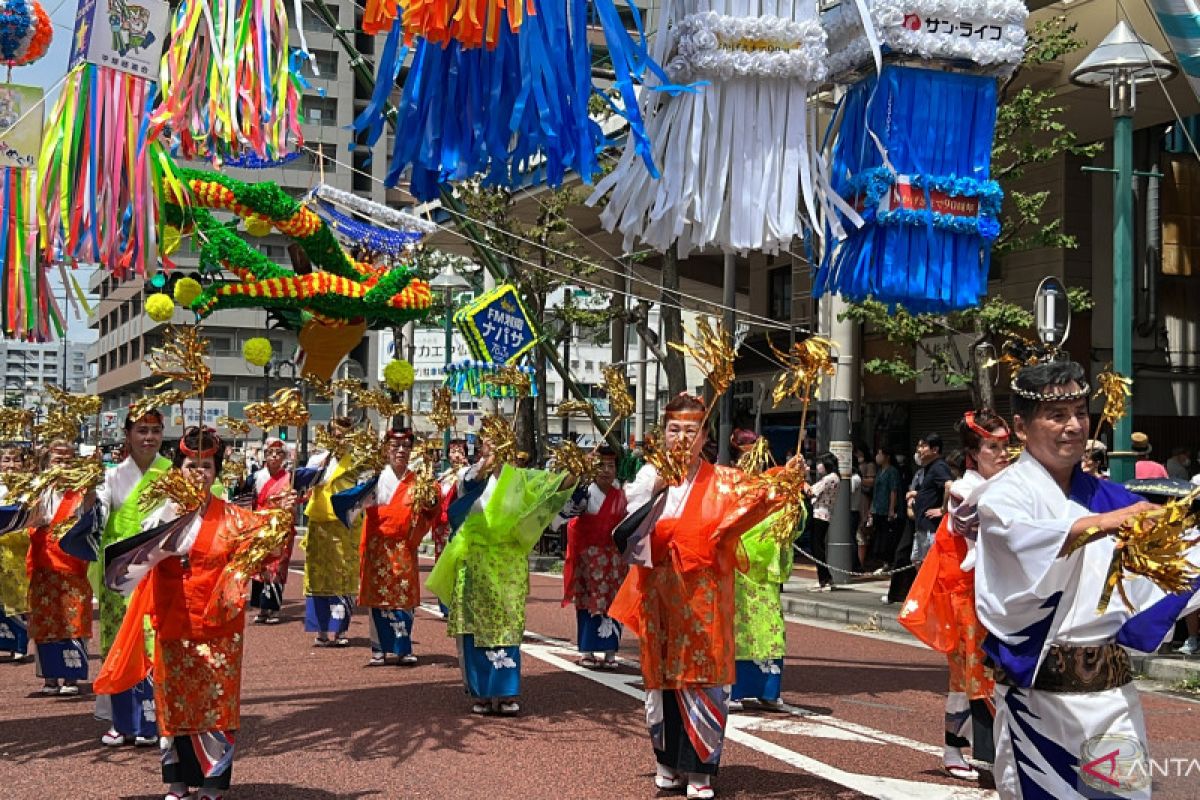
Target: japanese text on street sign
497,326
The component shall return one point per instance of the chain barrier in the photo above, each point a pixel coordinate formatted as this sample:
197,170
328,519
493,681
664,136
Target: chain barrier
887,573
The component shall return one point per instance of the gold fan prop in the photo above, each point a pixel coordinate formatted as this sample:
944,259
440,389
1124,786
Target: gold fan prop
805,364
1155,545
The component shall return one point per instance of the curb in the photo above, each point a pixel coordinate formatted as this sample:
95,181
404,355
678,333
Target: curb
884,619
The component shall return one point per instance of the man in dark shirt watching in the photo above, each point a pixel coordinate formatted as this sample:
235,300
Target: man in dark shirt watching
927,511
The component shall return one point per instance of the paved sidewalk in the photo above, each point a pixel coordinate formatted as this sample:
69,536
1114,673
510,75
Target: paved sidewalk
860,604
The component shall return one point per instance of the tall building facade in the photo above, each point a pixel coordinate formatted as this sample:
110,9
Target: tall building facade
126,334
30,366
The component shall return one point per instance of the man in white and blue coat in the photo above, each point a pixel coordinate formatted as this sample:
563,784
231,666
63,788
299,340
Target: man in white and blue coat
1068,719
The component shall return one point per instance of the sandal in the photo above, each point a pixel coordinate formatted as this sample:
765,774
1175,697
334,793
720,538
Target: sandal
69,690
607,664
589,662
510,709
341,641
704,792
666,784
377,661
48,690
483,709
408,660
272,621
961,771
321,641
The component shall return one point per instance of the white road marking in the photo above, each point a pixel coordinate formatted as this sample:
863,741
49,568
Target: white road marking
740,727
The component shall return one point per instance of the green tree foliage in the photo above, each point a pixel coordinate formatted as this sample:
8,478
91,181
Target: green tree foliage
542,257
959,347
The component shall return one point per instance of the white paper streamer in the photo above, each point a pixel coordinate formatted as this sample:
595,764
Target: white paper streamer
734,155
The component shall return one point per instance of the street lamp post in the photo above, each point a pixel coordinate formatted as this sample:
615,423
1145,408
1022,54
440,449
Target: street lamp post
446,283
1121,62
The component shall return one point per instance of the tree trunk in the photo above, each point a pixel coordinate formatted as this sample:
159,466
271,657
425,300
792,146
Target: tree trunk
982,392
672,319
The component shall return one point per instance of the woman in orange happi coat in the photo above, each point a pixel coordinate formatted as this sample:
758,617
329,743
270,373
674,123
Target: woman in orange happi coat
678,598
389,581
940,607
197,606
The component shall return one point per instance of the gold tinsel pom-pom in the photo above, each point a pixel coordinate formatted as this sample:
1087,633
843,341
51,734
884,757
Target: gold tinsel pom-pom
257,351
399,375
442,415
186,291
160,308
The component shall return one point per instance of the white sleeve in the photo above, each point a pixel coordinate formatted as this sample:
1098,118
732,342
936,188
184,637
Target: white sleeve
639,491
1016,558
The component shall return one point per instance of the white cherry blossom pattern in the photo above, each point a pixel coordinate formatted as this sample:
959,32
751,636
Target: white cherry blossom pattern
501,659
72,659
607,628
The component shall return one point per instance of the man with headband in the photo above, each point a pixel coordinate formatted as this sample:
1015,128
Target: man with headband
1065,699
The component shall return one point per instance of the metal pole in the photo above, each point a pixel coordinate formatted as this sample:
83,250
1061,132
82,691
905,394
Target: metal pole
566,393
449,344
1123,222
729,298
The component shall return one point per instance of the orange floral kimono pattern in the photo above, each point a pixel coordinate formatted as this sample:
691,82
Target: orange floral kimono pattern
60,596
197,609
681,608
388,575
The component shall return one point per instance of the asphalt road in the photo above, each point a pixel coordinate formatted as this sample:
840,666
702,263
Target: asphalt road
318,724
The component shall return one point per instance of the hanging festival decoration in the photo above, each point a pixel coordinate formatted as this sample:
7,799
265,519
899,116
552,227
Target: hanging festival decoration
97,193
398,375
912,209
736,154
28,309
230,86
362,223
25,32
331,307
258,351
488,379
500,89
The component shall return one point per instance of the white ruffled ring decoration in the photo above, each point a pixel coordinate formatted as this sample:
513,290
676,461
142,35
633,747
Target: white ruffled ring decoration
376,212
716,46
990,33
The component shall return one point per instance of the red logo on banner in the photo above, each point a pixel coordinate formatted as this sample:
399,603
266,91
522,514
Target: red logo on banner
905,195
912,22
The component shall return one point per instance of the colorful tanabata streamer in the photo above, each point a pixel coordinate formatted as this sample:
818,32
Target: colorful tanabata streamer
472,377
228,84
28,308
914,211
502,90
96,203
735,156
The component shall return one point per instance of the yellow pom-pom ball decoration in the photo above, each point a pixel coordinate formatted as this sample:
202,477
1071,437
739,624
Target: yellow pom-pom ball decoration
258,226
257,351
160,308
186,291
398,375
